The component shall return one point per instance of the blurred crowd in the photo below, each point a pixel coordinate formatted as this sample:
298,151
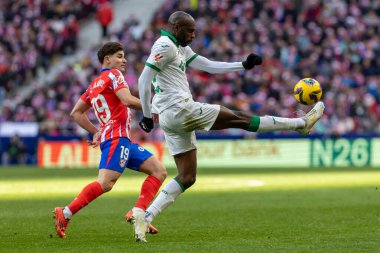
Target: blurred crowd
336,42
33,33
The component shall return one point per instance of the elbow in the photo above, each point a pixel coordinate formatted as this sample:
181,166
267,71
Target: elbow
135,106
132,104
211,70
74,115
140,83
214,70
127,104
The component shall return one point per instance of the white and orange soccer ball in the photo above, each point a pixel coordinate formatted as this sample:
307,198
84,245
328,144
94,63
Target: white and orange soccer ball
308,91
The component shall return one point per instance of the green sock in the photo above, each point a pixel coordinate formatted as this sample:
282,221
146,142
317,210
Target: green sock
255,123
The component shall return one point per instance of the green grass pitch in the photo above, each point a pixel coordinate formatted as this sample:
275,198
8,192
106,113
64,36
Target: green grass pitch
311,210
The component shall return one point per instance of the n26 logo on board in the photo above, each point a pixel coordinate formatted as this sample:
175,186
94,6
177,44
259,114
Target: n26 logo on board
341,152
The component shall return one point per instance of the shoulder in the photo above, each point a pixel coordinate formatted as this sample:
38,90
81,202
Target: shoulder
112,77
187,50
115,72
163,44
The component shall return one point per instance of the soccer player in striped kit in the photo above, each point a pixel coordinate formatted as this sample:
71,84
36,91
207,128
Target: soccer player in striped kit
109,96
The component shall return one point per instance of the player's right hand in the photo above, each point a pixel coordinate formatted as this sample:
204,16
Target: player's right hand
146,124
95,140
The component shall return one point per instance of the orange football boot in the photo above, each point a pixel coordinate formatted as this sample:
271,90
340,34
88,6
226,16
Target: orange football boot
61,222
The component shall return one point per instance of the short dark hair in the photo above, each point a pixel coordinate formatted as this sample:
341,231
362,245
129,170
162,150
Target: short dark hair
109,49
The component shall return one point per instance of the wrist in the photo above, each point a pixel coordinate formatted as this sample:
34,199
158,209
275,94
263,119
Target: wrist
245,65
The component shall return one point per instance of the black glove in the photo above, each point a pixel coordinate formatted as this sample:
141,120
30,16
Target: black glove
252,60
146,124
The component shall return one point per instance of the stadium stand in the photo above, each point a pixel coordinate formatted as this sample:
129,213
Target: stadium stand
335,42
32,34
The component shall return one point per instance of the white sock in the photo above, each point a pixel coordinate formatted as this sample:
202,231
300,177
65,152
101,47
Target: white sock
166,197
271,123
67,213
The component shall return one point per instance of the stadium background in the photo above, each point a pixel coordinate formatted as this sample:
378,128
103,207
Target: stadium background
48,57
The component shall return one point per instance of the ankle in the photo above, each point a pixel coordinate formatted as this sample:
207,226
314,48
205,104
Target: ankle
67,213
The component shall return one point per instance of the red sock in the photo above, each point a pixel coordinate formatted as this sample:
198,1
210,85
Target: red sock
88,194
148,190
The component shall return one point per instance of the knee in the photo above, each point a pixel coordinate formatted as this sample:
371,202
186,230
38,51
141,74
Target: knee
243,116
160,172
187,180
107,186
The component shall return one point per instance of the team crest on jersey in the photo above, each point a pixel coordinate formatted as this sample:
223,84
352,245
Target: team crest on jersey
122,162
158,57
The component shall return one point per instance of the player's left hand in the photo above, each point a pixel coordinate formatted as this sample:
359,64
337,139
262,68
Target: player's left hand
95,140
252,60
146,124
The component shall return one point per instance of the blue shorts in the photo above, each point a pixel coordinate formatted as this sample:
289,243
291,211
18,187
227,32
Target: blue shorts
120,153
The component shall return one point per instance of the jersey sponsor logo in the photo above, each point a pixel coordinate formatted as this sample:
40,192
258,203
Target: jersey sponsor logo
158,57
182,66
164,46
157,89
98,83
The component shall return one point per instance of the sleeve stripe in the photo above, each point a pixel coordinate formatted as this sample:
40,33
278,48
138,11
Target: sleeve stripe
113,79
152,66
111,76
191,59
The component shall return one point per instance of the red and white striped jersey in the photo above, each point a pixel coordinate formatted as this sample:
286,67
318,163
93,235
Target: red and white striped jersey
113,116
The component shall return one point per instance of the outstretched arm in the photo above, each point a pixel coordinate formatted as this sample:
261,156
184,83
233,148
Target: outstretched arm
216,67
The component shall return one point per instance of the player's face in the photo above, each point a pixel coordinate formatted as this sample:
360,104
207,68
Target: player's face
186,33
117,61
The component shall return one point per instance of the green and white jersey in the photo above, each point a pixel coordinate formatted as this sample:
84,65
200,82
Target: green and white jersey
170,60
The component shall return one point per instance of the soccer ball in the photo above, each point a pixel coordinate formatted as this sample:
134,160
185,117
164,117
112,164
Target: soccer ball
308,91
